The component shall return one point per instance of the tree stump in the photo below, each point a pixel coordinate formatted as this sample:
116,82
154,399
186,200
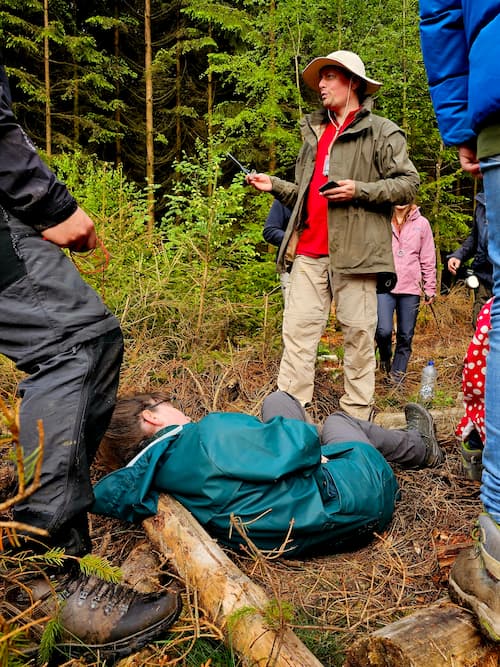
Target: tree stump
436,636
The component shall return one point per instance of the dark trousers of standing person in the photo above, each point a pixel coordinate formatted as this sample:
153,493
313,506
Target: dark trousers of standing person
57,330
406,307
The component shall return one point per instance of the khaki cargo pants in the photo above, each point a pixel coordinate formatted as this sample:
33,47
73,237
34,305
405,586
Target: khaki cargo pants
309,297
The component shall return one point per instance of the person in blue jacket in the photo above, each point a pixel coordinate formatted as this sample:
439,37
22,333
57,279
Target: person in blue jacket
274,231
461,49
476,246
276,476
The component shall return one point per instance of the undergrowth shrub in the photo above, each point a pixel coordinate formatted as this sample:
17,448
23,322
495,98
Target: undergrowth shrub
202,281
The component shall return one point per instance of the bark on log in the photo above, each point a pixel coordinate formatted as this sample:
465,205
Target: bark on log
445,420
439,635
234,603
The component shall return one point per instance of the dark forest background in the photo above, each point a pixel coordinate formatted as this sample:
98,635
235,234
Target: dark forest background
135,104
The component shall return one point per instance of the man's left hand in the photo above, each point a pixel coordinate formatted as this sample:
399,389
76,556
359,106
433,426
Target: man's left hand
344,192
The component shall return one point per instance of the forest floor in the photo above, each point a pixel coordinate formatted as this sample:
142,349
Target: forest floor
340,597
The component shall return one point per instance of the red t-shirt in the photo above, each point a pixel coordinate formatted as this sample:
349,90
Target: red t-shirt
313,240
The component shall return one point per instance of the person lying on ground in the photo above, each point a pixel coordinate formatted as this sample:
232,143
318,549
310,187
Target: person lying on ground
277,476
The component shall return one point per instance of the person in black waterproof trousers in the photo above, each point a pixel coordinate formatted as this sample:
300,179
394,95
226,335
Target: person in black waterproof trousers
57,330
476,246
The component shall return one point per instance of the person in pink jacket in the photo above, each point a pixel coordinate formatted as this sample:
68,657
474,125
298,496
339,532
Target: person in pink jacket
415,261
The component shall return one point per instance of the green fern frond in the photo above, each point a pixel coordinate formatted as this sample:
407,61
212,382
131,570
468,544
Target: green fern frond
48,641
100,567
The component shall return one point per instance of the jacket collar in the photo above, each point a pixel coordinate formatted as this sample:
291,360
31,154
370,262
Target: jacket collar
317,120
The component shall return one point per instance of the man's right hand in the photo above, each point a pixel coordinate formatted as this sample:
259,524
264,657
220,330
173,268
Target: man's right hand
468,159
76,232
260,182
453,265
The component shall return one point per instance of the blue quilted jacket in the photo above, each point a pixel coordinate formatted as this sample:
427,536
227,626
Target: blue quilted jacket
461,48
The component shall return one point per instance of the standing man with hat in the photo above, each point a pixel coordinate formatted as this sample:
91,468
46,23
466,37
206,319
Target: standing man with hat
339,236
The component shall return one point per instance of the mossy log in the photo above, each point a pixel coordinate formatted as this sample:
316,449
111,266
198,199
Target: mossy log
235,604
436,636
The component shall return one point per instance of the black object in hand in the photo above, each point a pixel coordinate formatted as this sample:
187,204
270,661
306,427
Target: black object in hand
329,186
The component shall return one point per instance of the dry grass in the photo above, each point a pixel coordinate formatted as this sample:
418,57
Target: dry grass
339,597
349,594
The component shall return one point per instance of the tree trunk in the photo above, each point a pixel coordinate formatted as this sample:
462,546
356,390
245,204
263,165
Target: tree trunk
439,635
118,116
46,61
148,74
234,603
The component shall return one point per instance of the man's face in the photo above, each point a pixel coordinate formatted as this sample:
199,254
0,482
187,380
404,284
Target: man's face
334,88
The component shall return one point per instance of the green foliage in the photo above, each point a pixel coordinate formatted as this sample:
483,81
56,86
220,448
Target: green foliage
51,633
203,280
205,651
214,250
278,614
228,67
324,644
95,565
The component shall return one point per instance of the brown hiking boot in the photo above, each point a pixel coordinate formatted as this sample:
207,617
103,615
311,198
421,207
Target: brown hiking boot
97,618
474,578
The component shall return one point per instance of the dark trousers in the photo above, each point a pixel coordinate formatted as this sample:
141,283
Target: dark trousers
396,445
406,307
57,330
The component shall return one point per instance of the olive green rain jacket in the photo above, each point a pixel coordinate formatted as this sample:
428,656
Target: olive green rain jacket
372,151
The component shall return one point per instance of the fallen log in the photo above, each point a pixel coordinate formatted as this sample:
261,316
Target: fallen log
235,604
438,635
445,420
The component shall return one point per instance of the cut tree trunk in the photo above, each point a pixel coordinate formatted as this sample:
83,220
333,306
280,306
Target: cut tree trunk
445,420
233,602
439,635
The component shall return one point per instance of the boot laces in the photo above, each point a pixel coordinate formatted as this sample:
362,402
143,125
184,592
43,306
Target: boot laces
114,596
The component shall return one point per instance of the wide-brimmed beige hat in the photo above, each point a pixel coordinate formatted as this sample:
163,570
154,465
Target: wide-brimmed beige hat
345,59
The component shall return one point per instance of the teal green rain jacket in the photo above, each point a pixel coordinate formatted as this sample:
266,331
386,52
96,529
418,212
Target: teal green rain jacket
267,475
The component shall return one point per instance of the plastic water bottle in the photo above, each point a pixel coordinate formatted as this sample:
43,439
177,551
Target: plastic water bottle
428,382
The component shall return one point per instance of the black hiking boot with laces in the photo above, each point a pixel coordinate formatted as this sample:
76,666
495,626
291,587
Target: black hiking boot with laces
98,619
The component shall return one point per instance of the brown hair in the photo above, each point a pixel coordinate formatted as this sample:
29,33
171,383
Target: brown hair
125,436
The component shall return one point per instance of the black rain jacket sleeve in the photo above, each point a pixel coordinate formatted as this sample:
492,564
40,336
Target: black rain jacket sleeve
28,188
